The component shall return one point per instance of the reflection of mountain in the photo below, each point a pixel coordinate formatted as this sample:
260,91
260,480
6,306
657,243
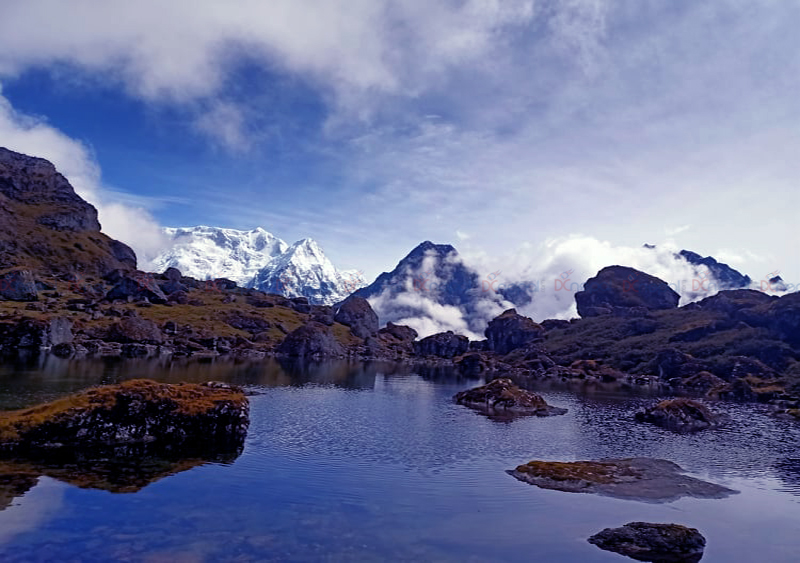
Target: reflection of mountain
120,470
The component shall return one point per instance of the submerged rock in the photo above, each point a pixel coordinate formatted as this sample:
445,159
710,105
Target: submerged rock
502,397
680,415
643,479
664,543
133,412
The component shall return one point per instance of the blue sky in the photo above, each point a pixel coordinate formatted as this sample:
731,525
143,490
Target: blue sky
511,129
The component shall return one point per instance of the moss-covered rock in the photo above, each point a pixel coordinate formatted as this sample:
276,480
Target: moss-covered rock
136,411
502,397
680,415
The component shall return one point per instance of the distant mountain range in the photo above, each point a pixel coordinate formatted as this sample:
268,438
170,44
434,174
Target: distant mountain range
257,259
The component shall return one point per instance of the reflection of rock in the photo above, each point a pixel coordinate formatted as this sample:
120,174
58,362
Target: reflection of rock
136,411
680,415
643,479
502,397
119,470
665,543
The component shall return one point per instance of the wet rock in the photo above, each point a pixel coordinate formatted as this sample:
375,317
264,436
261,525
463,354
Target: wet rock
442,345
135,330
311,340
356,313
502,397
643,479
18,285
620,286
133,412
510,331
662,543
680,415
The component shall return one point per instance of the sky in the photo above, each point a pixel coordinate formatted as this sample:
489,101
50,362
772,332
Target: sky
523,132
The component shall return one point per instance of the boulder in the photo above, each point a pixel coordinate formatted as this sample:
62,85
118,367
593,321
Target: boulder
703,382
313,339
672,363
137,411
137,286
400,332
510,331
679,415
643,541
617,287
502,397
135,330
442,345
18,285
356,313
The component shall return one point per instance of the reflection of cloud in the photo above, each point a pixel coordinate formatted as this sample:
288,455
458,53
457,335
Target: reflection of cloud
33,509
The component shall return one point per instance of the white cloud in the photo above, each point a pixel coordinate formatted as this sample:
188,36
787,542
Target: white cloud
33,136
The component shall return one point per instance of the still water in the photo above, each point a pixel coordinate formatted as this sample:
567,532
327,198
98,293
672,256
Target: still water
375,462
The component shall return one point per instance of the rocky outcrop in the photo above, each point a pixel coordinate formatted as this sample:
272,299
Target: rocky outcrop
18,285
442,345
45,225
137,286
313,339
620,287
644,479
680,415
133,412
643,541
356,313
502,397
510,331
35,334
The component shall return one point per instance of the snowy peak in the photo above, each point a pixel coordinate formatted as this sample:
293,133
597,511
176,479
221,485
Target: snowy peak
213,252
257,259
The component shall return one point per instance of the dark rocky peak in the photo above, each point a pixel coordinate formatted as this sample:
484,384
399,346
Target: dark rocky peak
620,287
725,276
510,331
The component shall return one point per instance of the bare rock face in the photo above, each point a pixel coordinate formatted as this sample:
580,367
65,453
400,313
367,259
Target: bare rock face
442,345
643,479
46,227
510,331
356,313
620,288
313,339
502,397
643,541
18,285
680,415
137,286
135,330
134,412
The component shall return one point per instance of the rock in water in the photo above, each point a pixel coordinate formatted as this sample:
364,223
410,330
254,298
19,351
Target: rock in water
136,411
643,479
502,397
680,415
664,543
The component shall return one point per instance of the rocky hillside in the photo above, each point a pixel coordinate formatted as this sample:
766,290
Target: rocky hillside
45,227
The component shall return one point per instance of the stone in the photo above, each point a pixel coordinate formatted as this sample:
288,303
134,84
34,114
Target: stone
680,415
137,286
502,397
642,479
18,285
510,331
135,330
134,412
313,339
662,543
442,345
356,312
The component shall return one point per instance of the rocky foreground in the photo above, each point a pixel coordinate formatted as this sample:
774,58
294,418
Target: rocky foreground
136,412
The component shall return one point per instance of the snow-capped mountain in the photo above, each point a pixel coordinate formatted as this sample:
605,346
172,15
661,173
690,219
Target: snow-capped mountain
304,270
257,259
213,252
